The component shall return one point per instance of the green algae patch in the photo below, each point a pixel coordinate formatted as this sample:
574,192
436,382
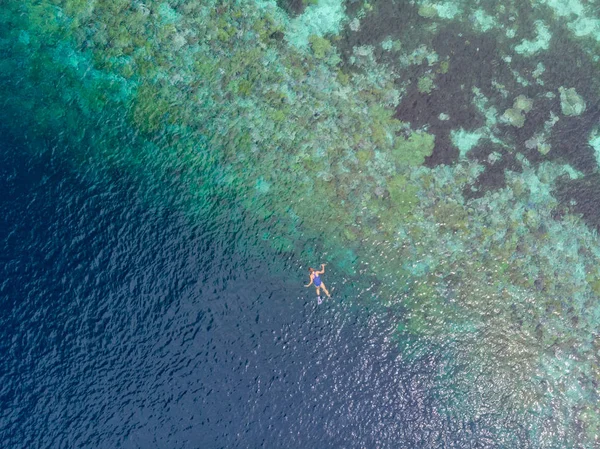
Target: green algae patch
444,67
403,194
320,46
571,103
450,217
413,150
152,109
593,281
364,156
427,11
522,103
425,84
513,117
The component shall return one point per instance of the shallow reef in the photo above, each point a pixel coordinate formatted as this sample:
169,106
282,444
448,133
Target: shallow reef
366,133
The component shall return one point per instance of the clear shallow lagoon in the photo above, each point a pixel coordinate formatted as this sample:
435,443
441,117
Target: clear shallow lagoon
171,169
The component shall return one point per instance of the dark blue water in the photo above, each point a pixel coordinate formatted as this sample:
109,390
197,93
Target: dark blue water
127,322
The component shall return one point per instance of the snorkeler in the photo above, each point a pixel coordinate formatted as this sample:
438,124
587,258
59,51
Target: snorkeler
314,277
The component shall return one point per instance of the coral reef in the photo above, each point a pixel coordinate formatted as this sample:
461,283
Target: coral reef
570,102
312,138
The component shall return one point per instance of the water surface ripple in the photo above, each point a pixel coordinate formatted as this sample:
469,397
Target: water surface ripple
127,324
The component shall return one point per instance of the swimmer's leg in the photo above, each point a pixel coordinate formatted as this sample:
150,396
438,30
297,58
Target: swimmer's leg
325,290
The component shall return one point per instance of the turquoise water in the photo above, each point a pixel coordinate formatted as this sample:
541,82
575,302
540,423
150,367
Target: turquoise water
441,157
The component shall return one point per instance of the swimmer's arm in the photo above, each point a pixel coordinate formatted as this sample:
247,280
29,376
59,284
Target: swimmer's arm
310,283
322,269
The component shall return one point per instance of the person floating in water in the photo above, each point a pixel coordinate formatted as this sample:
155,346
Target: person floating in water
314,278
